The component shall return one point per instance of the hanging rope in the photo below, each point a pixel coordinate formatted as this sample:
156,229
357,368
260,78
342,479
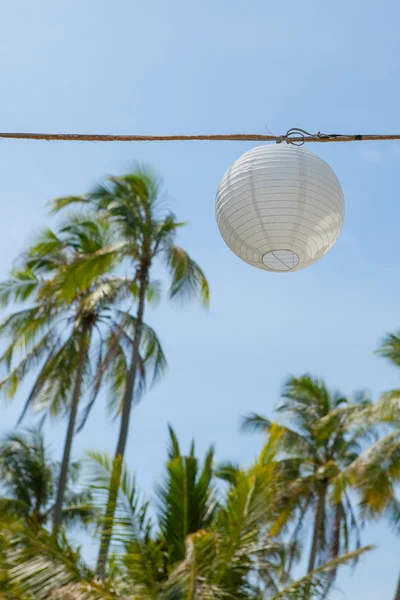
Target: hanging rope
293,136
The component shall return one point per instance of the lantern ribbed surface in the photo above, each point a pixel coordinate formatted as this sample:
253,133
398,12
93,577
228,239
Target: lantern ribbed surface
280,208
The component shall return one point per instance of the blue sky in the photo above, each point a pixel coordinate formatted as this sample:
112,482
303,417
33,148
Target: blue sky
220,67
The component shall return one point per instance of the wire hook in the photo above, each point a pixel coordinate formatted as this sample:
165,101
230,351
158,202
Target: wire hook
296,132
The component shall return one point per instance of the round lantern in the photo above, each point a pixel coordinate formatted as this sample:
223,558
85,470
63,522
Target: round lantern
280,207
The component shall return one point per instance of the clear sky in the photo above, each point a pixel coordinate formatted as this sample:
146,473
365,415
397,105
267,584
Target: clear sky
220,66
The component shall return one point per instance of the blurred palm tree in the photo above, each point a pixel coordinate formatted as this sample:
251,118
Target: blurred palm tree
186,498
28,480
326,436
230,555
376,473
145,232
72,330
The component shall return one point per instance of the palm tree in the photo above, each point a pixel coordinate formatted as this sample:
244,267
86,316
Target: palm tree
186,503
186,498
376,473
326,436
146,233
231,554
28,477
73,331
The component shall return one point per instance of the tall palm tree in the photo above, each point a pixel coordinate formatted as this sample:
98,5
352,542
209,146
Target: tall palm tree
326,435
73,332
231,554
146,233
376,473
28,478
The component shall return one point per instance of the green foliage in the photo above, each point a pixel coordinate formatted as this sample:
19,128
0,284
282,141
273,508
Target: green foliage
376,473
214,532
228,550
134,205
29,478
186,498
327,434
68,281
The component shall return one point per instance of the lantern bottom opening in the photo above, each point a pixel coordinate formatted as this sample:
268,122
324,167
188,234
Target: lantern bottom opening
280,260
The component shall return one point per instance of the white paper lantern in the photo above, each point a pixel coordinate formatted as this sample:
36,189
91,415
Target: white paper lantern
280,207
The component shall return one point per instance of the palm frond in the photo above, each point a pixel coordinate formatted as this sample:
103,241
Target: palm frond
254,422
78,275
130,515
152,354
44,348
390,348
58,204
187,278
44,568
129,529
173,448
53,392
305,396
24,328
314,585
186,499
227,471
19,288
27,473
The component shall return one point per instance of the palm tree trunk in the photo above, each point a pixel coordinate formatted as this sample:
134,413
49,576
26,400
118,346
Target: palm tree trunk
123,432
339,511
318,523
62,482
397,596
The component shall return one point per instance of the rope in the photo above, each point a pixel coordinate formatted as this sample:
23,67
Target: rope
294,136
